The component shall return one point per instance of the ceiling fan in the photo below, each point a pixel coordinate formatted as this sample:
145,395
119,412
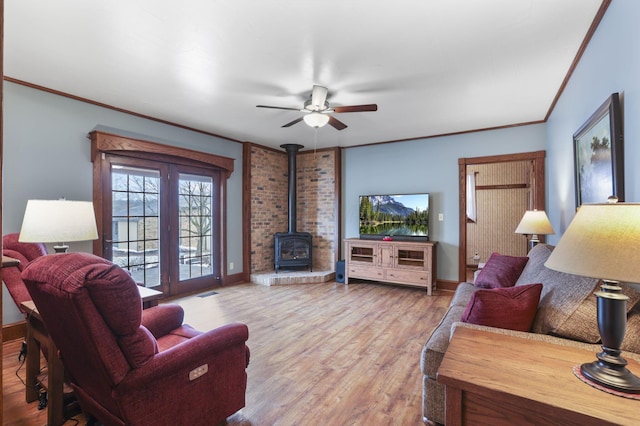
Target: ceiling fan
317,110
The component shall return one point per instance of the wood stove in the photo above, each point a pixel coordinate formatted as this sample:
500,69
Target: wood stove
292,248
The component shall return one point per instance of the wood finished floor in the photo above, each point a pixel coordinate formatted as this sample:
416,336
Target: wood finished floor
321,354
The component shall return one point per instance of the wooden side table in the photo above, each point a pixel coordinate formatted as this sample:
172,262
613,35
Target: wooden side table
149,296
37,336
9,261
494,379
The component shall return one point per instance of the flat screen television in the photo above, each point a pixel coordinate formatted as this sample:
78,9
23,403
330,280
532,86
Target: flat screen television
398,216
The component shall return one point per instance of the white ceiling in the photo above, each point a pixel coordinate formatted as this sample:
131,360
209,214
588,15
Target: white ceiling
432,66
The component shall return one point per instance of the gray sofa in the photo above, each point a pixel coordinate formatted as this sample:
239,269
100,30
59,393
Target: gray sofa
566,315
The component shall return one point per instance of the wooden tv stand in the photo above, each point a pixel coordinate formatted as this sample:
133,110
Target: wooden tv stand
399,262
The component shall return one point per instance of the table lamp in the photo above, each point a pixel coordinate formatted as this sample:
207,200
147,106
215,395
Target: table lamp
58,221
534,223
603,241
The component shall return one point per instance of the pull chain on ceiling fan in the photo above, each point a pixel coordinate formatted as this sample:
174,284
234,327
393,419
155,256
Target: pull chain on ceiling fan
317,110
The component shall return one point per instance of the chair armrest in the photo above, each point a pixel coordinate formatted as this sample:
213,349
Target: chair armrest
16,287
172,366
191,353
162,319
166,377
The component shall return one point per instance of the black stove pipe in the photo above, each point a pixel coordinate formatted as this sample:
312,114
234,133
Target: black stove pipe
292,150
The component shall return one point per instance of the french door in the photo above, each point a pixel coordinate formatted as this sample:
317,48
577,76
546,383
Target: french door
164,223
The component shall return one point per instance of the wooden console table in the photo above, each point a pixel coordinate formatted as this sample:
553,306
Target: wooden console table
37,335
494,379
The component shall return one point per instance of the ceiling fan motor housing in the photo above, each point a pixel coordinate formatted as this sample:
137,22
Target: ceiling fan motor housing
308,105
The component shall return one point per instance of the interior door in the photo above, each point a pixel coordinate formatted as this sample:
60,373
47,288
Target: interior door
495,192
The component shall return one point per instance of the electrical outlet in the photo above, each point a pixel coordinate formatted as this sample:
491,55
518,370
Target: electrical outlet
231,266
198,371
440,217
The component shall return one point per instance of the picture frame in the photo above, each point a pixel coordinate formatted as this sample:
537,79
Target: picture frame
598,155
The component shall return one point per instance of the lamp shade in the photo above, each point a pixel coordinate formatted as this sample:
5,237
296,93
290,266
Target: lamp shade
602,241
58,221
316,119
535,222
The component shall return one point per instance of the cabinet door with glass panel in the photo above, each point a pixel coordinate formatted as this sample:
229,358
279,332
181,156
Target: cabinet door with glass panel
408,257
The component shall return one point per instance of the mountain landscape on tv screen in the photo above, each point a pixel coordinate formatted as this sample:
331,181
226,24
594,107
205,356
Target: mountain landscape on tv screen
406,215
387,204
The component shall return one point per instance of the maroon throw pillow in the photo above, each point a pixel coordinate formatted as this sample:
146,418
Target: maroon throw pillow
501,271
512,308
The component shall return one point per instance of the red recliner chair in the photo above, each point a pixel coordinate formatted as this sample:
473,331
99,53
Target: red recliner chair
133,367
25,253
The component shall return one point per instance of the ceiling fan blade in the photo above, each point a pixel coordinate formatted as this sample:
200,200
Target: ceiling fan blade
297,120
318,97
339,125
275,107
356,108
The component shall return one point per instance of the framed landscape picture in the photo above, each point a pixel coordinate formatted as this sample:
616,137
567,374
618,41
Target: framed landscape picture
599,165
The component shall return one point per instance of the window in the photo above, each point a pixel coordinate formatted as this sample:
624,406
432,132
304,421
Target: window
135,219
195,213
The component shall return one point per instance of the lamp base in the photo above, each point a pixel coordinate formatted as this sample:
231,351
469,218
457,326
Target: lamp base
62,248
613,376
609,370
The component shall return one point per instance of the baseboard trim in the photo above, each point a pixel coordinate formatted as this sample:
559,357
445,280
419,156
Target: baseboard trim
235,279
13,331
447,285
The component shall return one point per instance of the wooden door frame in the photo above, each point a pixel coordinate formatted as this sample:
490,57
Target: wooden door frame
103,144
538,159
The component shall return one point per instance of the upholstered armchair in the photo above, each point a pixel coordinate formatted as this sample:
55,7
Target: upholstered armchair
133,367
25,253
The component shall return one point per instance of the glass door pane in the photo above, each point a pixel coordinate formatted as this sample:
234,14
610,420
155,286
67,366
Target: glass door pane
195,195
135,222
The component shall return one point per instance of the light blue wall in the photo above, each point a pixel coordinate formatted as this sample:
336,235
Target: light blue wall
47,156
427,165
611,63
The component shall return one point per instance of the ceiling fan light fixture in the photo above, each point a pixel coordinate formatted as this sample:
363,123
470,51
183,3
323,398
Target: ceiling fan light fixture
316,119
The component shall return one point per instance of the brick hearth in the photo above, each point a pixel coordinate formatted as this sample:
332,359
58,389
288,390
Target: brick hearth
292,277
